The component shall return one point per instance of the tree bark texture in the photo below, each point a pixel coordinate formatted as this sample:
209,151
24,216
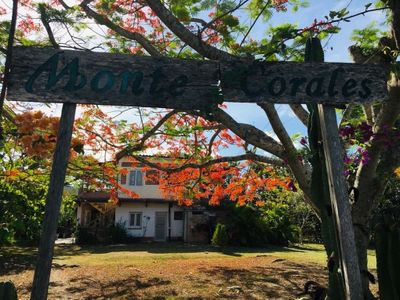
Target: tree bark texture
53,203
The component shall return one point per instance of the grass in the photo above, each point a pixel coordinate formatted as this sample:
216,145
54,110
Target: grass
147,253
174,270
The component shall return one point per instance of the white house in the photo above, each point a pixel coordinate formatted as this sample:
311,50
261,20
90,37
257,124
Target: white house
149,217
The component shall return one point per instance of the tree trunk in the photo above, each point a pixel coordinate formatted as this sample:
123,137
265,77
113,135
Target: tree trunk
361,234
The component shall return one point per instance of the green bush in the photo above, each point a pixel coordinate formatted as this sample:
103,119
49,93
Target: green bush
220,236
117,234
84,237
67,220
8,291
245,226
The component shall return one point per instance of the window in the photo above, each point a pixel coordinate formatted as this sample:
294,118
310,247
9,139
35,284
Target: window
152,177
126,164
135,220
136,177
197,212
178,215
123,176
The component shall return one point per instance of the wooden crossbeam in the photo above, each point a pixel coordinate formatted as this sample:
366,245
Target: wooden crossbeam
51,75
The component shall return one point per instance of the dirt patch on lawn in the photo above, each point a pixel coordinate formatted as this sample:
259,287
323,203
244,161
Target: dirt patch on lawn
264,277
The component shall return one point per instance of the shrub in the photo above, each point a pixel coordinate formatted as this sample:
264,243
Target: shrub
117,234
245,226
8,291
220,236
84,237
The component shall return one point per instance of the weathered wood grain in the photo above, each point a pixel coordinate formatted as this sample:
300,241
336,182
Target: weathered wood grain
340,201
53,203
302,82
112,79
49,75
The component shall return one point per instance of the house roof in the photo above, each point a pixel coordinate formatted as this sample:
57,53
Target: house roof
126,153
144,200
102,197
93,197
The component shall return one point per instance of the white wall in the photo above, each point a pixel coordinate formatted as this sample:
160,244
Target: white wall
144,191
79,216
122,215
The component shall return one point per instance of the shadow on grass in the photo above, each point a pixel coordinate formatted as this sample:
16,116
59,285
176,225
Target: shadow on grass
280,281
88,288
170,248
17,259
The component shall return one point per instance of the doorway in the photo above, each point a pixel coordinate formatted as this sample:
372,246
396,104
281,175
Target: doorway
161,226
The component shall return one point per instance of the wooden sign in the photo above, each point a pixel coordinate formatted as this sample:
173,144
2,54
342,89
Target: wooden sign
64,76
302,82
50,75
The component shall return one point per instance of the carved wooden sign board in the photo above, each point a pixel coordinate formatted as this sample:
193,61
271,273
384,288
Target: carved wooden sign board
65,76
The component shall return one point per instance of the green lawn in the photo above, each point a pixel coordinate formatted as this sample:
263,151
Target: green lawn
171,271
147,253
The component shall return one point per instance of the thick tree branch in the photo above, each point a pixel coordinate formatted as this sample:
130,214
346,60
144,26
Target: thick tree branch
140,146
186,35
209,24
368,111
103,20
347,113
65,5
212,139
301,113
45,22
395,8
203,23
247,156
246,132
366,173
299,170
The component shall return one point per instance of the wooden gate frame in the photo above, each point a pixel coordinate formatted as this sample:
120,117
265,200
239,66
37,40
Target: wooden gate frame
81,77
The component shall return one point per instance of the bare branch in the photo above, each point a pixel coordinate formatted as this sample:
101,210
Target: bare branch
103,20
65,5
368,111
128,150
203,23
395,8
299,170
186,35
254,23
239,5
248,133
45,22
301,113
247,156
347,113
212,139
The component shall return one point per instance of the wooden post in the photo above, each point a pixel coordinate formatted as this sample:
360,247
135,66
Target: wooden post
7,64
340,202
53,203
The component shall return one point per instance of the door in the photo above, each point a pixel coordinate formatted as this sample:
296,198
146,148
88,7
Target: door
161,226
